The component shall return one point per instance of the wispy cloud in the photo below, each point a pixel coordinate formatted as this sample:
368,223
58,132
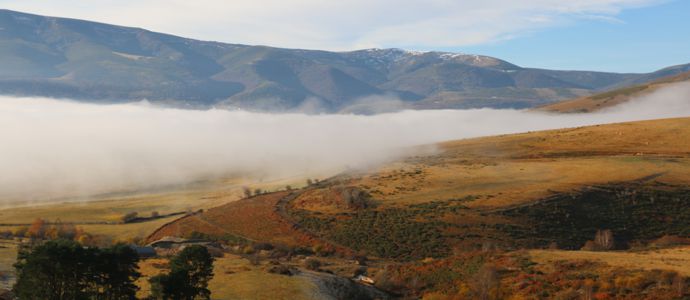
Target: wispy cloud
339,25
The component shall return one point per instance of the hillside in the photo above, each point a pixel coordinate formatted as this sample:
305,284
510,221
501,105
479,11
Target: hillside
518,206
430,224
504,181
614,97
66,58
485,189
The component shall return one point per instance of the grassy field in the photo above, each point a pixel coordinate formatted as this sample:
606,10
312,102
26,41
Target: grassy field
100,216
675,259
236,278
111,209
513,169
94,214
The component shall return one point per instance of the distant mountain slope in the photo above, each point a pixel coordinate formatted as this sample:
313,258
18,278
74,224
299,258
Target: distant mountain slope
614,97
57,57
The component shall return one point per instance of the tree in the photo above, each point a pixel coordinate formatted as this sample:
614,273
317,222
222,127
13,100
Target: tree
356,198
247,192
190,272
115,273
55,270
129,217
486,283
63,269
604,239
67,231
679,285
37,229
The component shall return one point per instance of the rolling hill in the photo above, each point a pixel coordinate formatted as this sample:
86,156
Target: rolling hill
429,224
67,58
473,183
614,97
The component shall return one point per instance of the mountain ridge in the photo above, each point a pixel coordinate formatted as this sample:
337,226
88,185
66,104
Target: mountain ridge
98,62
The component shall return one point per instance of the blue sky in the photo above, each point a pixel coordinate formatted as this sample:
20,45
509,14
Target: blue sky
603,35
643,40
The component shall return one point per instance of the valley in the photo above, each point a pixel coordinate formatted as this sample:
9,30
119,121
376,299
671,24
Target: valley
373,150
477,201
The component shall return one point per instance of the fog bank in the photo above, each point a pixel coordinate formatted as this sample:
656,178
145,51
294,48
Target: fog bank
53,148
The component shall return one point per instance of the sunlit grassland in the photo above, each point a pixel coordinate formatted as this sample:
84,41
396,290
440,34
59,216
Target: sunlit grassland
236,278
514,169
676,259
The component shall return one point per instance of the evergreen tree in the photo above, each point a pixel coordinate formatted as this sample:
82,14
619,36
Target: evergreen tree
63,269
55,270
115,273
190,272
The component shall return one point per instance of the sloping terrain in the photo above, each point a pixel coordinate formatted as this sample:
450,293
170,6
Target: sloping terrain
254,219
66,58
528,190
614,97
677,259
523,190
448,224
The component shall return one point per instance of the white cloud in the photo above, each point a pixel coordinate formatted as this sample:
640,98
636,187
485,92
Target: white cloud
54,148
338,25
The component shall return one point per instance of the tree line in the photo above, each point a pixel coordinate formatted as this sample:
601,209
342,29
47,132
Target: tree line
64,269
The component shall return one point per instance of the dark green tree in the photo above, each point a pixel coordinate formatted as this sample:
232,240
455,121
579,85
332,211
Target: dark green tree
190,272
55,270
63,269
115,271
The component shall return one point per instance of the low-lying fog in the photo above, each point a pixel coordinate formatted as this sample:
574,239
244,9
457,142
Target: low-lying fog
51,148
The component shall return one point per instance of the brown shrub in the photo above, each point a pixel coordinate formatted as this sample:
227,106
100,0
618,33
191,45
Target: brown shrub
282,270
312,264
129,217
590,246
669,241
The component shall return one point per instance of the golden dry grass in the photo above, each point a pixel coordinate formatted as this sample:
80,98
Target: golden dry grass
513,169
675,259
236,278
110,209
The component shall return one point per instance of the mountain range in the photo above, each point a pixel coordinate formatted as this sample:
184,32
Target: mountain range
95,62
